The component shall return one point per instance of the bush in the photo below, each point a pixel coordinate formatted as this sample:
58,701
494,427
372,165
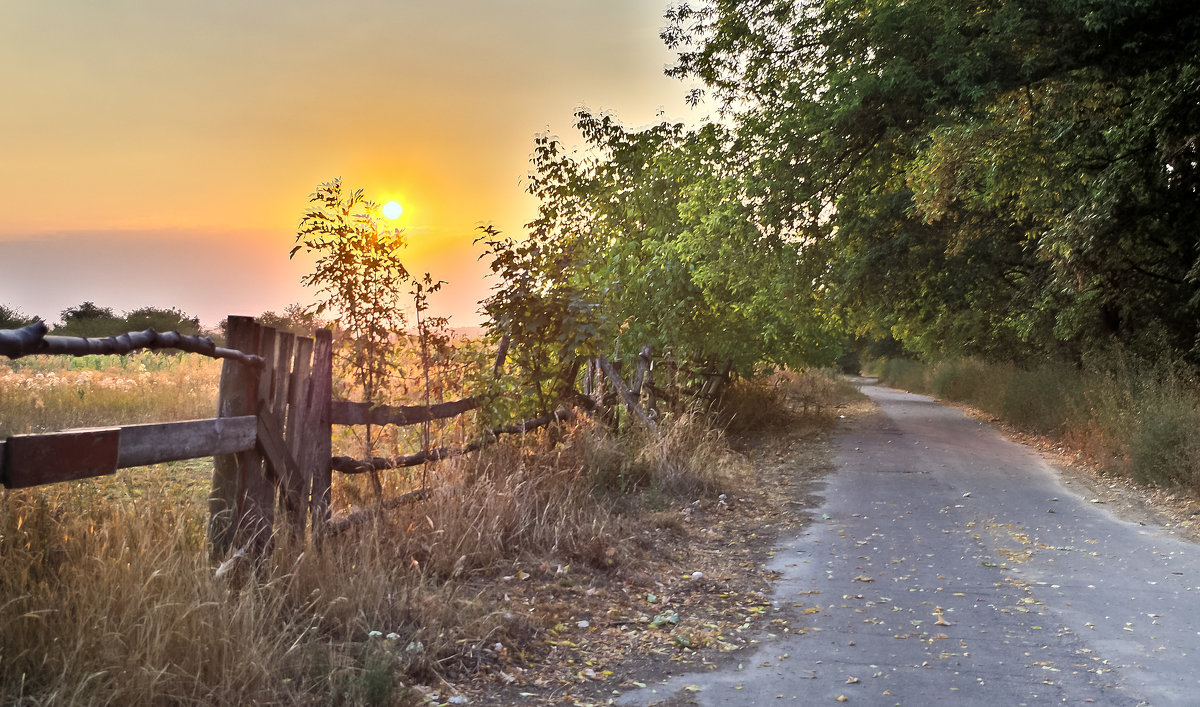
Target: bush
905,373
1165,448
1044,399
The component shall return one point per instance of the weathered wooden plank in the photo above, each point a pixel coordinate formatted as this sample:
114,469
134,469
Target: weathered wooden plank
318,433
296,486
631,402
140,445
256,502
282,379
342,412
190,439
271,444
33,460
236,398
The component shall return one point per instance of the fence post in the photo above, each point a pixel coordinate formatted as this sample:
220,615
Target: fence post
298,481
256,498
236,397
318,433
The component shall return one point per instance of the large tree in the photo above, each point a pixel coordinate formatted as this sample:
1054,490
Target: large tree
992,176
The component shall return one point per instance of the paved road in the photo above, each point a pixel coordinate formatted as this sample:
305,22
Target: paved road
949,566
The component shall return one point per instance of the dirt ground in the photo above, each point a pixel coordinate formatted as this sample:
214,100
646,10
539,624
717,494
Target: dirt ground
687,595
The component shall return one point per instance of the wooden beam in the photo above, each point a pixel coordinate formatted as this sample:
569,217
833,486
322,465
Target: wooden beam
256,495
15,343
32,460
298,483
274,450
631,402
342,412
317,434
235,399
349,465
171,441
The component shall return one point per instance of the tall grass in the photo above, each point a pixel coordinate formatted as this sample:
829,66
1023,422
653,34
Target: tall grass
49,393
107,595
1136,419
771,402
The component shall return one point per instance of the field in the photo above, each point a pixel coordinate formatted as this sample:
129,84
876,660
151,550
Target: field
109,596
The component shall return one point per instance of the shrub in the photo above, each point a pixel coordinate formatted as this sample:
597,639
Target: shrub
1165,448
1043,399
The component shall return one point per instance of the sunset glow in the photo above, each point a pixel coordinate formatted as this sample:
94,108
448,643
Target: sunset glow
196,149
393,210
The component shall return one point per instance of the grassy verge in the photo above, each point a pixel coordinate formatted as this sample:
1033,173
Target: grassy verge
50,393
1132,418
107,595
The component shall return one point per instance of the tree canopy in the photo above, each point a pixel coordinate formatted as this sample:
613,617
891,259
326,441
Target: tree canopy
651,237
90,319
992,177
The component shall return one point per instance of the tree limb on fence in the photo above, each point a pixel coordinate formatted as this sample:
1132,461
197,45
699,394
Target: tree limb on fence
31,340
344,524
349,465
342,412
627,397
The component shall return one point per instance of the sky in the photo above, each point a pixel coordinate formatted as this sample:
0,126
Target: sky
161,152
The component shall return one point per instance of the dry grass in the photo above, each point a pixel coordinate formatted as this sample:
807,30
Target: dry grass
108,596
1131,417
771,402
113,602
44,393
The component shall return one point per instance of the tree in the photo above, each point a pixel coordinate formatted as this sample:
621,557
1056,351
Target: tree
13,318
360,280
162,320
296,318
546,321
87,319
990,176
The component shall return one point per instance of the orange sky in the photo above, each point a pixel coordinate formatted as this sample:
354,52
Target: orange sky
160,152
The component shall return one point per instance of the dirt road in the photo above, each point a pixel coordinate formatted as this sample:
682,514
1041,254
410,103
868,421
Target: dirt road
950,566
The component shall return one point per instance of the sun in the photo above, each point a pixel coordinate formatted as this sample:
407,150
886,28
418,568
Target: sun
392,210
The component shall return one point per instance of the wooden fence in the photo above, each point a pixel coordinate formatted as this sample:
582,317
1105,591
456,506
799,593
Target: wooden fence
272,437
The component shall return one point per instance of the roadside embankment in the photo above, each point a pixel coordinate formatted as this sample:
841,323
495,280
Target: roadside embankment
1128,417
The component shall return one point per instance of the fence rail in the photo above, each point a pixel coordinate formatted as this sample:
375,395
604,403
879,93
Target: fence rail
33,340
32,460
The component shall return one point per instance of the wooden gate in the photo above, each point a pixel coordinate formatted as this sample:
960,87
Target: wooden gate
288,468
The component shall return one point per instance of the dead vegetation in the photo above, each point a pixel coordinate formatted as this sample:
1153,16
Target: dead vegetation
535,567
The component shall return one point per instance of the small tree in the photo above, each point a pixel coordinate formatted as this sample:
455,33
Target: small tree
88,319
360,280
162,320
432,332
13,318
